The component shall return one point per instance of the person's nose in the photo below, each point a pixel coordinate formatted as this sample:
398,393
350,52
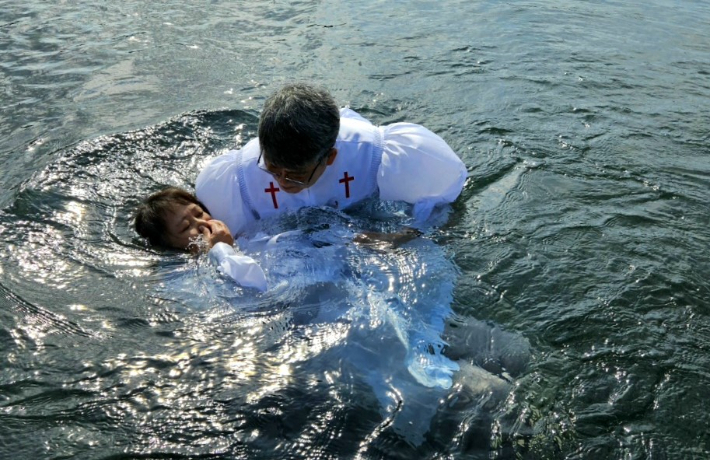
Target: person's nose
199,221
279,175
282,181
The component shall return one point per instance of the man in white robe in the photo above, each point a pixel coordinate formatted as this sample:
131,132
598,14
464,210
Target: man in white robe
309,153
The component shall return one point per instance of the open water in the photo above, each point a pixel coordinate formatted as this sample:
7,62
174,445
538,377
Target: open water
583,228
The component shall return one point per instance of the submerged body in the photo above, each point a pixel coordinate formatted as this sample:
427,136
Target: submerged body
383,311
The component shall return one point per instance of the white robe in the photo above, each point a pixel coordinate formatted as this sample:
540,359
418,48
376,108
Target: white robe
352,311
398,162
383,312
418,329
242,269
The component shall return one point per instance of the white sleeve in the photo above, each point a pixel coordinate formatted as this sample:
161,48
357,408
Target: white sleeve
217,187
242,269
418,167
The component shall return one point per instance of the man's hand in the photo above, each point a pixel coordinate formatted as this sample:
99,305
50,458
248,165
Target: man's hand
215,231
383,241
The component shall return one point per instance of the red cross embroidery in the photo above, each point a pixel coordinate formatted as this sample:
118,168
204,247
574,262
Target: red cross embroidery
273,191
346,180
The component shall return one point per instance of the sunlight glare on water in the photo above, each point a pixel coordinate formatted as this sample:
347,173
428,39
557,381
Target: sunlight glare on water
574,261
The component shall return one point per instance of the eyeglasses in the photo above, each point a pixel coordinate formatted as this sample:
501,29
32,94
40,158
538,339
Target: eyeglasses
288,179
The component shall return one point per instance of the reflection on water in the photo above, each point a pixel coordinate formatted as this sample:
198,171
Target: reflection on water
584,229
343,355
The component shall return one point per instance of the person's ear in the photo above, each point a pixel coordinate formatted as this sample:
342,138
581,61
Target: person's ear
331,156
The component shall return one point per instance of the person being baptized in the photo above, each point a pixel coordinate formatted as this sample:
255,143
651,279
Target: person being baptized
174,218
447,358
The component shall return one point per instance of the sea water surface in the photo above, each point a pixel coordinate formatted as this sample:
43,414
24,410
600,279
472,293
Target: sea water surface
583,228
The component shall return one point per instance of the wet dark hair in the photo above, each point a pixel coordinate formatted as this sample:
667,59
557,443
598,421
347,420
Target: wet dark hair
298,126
149,220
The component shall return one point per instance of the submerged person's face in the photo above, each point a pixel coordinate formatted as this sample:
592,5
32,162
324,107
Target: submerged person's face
185,223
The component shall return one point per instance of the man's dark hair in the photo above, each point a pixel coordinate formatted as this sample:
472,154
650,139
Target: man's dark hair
298,126
149,220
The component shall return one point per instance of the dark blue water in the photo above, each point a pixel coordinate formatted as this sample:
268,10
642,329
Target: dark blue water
583,228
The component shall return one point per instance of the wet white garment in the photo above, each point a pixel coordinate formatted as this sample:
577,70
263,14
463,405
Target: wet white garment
295,259
390,305
398,162
367,314
242,269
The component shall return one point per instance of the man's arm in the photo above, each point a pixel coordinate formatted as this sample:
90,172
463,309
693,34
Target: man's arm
217,188
418,167
242,269
380,240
